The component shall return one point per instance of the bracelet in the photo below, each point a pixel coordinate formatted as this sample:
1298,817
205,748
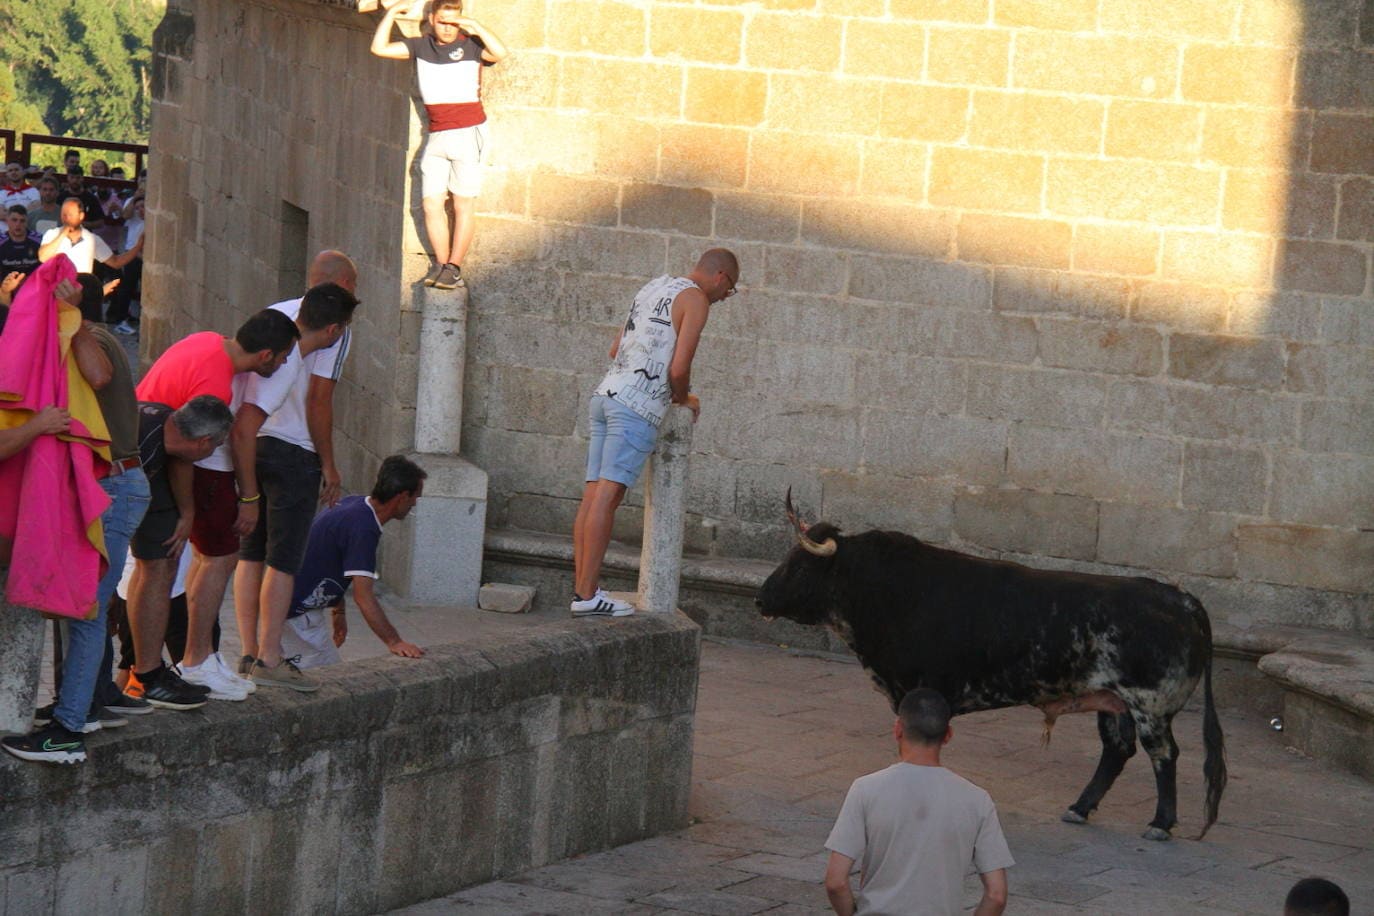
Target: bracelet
250,499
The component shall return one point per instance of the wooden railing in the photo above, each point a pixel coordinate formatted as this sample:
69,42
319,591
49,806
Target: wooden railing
19,147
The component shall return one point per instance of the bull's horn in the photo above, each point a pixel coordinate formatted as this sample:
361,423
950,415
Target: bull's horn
825,549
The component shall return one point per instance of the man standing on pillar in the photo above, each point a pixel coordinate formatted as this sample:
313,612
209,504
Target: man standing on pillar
651,367
448,62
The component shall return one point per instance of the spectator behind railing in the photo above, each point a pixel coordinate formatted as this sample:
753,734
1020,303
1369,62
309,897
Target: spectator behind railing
16,190
76,188
47,213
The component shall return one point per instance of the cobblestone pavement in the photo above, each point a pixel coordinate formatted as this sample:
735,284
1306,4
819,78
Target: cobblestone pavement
781,736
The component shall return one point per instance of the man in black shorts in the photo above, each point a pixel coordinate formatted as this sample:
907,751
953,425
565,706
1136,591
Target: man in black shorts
191,433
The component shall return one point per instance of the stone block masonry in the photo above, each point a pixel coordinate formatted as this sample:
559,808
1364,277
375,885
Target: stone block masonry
1104,266
397,782
1076,284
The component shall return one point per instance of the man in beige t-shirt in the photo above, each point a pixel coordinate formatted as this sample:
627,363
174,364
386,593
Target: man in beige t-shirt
915,828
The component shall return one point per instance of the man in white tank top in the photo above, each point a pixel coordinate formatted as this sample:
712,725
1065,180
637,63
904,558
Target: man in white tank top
651,367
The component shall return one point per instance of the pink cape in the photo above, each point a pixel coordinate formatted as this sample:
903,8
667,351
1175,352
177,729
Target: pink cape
50,498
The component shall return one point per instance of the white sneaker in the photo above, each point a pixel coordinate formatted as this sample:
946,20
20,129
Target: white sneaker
601,605
206,674
234,678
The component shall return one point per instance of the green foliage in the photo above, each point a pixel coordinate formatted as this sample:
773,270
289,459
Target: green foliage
80,66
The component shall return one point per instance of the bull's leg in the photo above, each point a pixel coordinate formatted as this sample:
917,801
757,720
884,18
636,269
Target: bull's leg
1118,746
1157,737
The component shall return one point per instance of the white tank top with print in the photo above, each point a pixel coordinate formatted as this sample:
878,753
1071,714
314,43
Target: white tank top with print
638,377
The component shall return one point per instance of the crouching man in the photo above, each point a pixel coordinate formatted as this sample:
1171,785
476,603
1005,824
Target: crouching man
342,551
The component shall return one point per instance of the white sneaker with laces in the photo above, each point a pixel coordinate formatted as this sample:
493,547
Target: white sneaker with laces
601,605
243,683
207,674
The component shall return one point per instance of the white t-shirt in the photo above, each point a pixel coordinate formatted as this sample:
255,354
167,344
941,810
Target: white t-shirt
287,421
133,231
222,459
915,830
84,253
28,197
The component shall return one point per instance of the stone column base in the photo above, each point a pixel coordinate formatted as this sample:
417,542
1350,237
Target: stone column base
21,661
435,555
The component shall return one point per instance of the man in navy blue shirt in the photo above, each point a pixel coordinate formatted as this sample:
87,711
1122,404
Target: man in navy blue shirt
342,551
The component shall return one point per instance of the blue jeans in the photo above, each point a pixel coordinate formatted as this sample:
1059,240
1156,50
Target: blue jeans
87,640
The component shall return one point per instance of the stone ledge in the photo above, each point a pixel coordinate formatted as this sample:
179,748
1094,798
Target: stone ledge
397,782
1335,668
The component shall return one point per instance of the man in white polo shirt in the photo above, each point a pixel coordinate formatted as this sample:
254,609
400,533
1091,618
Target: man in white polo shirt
82,245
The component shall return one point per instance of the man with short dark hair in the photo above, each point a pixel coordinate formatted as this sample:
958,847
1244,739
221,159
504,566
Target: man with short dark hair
199,364
18,251
279,496
1316,897
448,62
15,190
90,202
342,551
71,159
47,212
915,828
256,465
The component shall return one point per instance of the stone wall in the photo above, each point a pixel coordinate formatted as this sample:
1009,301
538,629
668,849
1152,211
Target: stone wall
277,134
1084,283
395,783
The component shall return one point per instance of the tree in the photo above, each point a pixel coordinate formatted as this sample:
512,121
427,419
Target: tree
82,65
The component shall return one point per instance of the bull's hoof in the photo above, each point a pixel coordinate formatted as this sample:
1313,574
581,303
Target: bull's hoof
1072,817
1155,833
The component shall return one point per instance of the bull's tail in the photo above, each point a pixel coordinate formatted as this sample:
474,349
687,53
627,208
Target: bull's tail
1214,763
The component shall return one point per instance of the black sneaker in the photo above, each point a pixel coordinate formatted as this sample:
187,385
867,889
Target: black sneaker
50,744
430,279
126,705
450,277
166,690
106,719
43,714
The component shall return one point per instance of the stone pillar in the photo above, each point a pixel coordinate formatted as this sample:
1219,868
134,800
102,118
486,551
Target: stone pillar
665,500
443,349
437,556
21,661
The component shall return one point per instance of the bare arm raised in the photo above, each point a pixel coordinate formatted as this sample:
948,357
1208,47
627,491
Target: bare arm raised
382,45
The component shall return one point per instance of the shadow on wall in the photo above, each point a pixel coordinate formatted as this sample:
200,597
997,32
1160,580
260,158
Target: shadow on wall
1114,317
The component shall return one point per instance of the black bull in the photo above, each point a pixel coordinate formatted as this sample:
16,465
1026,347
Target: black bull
989,634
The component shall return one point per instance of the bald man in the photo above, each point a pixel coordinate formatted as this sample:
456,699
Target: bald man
651,367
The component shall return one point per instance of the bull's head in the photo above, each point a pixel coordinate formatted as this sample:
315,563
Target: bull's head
800,588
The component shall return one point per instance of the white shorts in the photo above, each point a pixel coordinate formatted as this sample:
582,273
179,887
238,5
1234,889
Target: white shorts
452,162
311,636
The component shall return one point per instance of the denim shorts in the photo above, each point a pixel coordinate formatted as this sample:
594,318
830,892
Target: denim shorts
621,441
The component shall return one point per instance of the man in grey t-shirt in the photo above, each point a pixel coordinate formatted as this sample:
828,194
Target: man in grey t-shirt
915,828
